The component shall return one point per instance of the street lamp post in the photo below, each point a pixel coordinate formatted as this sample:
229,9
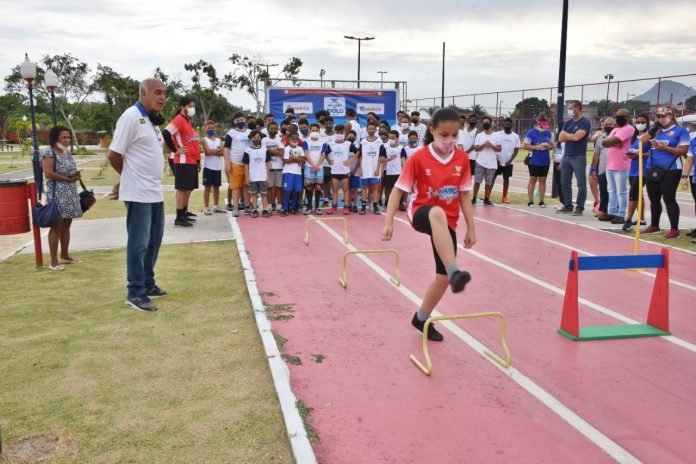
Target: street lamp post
51,81
28,71
359,39
322,72
608,77
70,118
381,78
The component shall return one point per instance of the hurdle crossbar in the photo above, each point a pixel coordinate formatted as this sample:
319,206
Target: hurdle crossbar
343,279
428,367
325,219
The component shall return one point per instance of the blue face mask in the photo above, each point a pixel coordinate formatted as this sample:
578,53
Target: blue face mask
304,132
240,125
412,144
210,132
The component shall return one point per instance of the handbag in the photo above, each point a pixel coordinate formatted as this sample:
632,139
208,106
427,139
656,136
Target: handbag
46,215
527,159
656,173
87,198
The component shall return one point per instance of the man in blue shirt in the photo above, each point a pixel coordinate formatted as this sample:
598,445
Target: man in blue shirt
574,134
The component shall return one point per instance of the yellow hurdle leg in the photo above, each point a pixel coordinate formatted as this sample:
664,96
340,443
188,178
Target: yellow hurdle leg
428,367
325,219
343,278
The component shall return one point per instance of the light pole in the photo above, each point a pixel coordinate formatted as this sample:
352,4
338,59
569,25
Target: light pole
51,82
381,78
70,118
608,77
629,96
321,77
359,39
28,71
268,77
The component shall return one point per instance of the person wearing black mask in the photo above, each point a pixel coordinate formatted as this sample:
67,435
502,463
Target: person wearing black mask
618,163
599,169
417,126
510,144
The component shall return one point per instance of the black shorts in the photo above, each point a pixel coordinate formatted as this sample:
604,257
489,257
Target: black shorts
506,171
538,171
472,165
421,222
186,177
339,177
212,178
327,174
633,190
390,181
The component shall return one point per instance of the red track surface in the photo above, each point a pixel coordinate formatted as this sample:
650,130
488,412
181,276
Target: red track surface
372,405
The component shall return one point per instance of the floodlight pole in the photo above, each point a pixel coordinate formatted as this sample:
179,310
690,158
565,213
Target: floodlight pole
359,39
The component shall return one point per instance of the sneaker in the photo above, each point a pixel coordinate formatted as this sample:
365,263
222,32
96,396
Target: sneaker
604,217
402,207
241,204
307,211
235,212
325,204
487,202
282,212
190,214
293,211
363,211
354,209
459,280
650,230
217,209
692,233
141,303
542,204
207,211
673,233
265,213
318,212
247,211
564,210
346,211
577,212
433,334
628,225
506,201
331,211
377,211
229,207
254,213
473,201
156,292
530,204
183,223
693,241
617,220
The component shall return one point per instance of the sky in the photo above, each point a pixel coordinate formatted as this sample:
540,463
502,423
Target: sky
491,45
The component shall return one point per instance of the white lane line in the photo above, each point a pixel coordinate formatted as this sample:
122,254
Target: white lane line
599,308
301,448
569,247
605,443
597,230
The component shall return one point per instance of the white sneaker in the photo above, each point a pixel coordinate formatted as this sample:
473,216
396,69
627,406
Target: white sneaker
235,212
307,211
217,209
207,211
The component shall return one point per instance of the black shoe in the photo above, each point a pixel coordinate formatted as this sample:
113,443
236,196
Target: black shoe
229,207
156,292
141,303
354,209
459,280
183,223
190,214
433,334
363,211
565,210
487,202
628,225
188,218
617,220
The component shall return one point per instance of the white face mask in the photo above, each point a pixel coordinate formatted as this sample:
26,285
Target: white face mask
340,138
405,125
641,127
571,113
191,112
314,135
61,147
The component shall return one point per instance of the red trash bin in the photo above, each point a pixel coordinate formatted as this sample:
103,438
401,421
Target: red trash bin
14,210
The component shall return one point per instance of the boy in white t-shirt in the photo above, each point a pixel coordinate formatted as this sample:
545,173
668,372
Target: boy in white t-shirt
212,170
313,170
293,157
487,146
372,155
396,158
257,166
340,154
275,147
510,144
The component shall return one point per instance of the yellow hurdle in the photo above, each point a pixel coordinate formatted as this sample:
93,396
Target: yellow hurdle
343,279
427,370
324,219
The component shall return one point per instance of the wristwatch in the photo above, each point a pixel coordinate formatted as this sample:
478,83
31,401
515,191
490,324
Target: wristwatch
685,177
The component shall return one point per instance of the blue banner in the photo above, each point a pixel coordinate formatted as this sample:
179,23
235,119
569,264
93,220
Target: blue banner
383,102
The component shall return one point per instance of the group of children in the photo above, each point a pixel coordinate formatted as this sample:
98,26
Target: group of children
297,164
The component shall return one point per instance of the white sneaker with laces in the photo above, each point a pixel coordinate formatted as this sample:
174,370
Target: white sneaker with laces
217,209
207,211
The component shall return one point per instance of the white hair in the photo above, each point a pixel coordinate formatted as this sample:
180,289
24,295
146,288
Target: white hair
146,84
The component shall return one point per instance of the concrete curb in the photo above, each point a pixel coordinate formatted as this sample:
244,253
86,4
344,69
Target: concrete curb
301,448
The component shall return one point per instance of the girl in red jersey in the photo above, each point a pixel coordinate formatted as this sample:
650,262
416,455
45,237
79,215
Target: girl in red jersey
438,176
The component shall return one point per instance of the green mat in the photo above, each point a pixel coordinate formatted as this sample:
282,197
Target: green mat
604,332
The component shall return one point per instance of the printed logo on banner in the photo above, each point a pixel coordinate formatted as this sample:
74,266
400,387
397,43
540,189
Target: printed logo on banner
364,108
336,106
299,107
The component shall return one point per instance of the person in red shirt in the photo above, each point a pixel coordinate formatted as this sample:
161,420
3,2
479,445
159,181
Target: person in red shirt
182,140
438,176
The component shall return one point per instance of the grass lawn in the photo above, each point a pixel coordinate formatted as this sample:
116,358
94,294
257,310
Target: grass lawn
99,172
102,383
683,241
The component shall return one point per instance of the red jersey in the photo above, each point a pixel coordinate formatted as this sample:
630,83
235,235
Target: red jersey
185,136
436,181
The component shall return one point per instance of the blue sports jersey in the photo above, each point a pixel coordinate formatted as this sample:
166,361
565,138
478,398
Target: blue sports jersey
675,136
692,149
539,157
633,170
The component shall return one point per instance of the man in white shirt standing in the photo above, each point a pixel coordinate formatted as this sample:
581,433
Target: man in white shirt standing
487,146
417,126
510,144
136,154
466,138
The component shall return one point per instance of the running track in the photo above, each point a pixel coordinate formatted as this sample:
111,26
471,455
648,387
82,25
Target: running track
608,401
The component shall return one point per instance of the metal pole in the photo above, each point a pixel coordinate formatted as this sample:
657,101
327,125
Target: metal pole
53,106
359,41
618,85
560,98
38,171
659,85
442,95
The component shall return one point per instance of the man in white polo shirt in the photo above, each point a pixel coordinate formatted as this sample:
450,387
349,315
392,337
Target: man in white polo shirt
136,154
